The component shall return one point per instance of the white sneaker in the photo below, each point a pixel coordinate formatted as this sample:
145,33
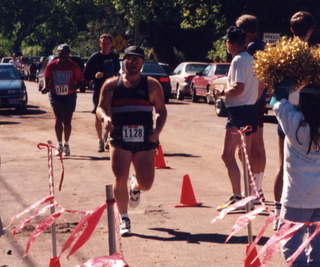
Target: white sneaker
59,151
125,226
66,150
134,194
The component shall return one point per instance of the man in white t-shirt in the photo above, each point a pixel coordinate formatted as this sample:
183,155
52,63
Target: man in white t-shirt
240,98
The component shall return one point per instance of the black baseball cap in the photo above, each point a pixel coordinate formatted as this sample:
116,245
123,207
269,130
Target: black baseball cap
235,35
63,47
134,50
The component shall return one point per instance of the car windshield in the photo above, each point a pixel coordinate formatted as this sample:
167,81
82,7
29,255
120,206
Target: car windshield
194,68
9,73
222,69
152,67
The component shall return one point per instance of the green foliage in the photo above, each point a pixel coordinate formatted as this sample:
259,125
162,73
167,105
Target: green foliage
218,53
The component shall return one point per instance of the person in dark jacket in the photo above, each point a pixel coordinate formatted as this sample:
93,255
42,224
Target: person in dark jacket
101,66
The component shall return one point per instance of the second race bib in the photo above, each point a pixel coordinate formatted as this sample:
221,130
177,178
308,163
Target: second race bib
61,89
133,133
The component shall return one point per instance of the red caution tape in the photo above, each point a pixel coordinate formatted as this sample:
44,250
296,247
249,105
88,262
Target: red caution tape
42,226
115,260
54,262
91,222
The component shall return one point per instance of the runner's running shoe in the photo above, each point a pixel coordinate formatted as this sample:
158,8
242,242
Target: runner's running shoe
134,194
66,150
125,226
233,199
59,151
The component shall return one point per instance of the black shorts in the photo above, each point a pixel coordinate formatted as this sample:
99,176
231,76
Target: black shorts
242,116
63,103
134,147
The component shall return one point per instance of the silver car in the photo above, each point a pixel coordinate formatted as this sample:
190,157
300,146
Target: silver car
182,76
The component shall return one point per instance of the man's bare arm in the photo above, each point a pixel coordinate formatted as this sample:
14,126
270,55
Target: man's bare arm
235,90
103,111
157,99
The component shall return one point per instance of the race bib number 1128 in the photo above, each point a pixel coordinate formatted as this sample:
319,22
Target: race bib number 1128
133,133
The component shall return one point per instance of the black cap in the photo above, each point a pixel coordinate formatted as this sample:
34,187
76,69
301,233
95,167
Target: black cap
134,50
63,47
235,35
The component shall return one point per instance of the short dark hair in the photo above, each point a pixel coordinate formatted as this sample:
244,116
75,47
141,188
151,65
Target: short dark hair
235,35
248,23
106,35
301,22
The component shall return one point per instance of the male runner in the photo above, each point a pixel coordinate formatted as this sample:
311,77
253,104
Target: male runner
126,108
63,77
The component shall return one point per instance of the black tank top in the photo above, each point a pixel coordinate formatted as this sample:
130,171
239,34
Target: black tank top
131,112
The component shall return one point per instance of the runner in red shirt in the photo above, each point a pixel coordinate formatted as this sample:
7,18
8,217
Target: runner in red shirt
63,77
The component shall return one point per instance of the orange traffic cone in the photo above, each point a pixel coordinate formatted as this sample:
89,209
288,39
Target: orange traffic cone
187,198
54,262
159,159
250,257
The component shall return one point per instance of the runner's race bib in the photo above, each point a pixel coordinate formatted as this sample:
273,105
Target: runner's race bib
61,89
133,133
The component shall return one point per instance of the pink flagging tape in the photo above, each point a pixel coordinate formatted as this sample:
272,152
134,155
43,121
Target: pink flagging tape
30,208
261,232
233,207
305,243
50,147
115,260
42,226
243,221
38,212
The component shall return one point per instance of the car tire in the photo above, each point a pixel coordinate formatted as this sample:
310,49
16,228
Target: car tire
209,100
220,108
194,97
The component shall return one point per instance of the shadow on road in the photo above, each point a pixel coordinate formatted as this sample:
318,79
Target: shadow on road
197,238
8,122
180,155
177,103
31,110
83,157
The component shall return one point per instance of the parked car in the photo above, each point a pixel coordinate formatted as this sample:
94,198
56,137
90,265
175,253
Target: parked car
13,91
220,84
6,59
40,74
201,82
181,77
30,66
153,69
